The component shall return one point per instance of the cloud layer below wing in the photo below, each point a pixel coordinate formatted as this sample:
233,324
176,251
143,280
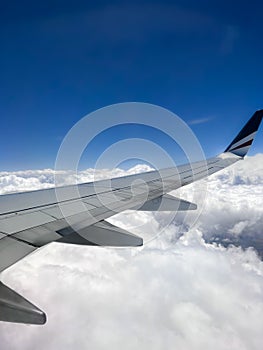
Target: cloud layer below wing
181,290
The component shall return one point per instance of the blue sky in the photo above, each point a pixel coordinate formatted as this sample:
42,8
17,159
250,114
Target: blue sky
63,59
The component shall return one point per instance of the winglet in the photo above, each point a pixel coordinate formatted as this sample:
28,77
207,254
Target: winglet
242,142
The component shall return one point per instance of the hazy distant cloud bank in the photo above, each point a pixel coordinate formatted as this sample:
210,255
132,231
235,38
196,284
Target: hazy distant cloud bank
179,291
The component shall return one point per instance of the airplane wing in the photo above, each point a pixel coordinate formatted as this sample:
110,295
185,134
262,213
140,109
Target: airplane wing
76,214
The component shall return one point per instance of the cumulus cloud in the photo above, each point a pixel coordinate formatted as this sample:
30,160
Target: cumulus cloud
233,208
28,180
25,180
182,290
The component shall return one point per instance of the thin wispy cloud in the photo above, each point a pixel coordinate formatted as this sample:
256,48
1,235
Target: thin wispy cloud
199,121
230,38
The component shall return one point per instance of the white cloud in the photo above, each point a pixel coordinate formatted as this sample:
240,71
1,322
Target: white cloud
184,294
37,179
233,202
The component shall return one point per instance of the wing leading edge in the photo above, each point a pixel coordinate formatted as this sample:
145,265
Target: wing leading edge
33,219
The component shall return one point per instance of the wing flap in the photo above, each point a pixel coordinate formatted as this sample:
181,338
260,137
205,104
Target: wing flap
13,250
167,203
100,234
20,222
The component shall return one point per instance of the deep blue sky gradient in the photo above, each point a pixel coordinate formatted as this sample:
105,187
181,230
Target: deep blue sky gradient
63,59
